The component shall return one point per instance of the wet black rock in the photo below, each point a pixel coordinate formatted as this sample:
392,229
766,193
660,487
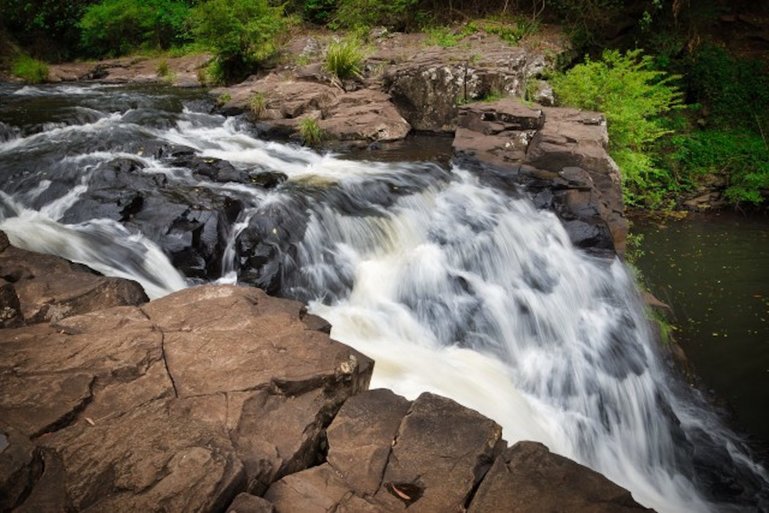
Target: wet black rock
267,247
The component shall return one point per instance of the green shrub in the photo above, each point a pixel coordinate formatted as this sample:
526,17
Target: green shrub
48,26
442,36
492,95
741,156
241,33
117,27
223,99
511,31
634,97
163,70
30,70
344,58
734,92
310,132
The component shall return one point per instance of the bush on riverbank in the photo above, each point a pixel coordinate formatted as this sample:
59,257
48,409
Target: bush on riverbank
740,157
30,70
241,33
633,96
721,138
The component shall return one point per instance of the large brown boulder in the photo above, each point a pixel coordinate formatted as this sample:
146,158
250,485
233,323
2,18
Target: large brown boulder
558,154
38,288
177,405
527,478
429,88
387,455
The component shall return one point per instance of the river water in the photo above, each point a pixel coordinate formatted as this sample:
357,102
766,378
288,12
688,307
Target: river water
449,284
713,270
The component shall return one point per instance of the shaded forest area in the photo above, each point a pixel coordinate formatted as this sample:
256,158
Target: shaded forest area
684,83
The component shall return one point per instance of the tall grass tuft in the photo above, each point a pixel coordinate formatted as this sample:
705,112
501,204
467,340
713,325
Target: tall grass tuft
344,58
310,131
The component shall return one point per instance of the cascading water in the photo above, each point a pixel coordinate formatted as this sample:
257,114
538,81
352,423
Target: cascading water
450,285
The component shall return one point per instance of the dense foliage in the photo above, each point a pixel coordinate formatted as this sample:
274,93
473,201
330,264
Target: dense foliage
242,33
734,93
633,96
720,135
721,131
115,27
47,27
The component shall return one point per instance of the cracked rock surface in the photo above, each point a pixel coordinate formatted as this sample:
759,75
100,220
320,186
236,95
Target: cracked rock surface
223,399
174,405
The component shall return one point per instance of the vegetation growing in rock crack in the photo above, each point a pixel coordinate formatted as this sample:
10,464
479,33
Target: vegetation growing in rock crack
257,104
310,132
344,58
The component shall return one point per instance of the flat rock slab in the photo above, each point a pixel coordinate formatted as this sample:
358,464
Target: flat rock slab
284,100
176,405
388,454
177,71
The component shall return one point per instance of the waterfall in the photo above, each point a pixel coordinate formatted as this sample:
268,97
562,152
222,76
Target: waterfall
450,285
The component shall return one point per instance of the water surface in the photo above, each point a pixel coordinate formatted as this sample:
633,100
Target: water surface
714,272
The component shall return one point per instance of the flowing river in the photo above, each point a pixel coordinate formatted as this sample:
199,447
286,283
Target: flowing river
449,284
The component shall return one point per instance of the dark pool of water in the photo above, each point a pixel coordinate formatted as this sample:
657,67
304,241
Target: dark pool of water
714,271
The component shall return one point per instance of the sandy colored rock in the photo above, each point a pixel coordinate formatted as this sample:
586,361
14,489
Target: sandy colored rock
177,71
286,99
